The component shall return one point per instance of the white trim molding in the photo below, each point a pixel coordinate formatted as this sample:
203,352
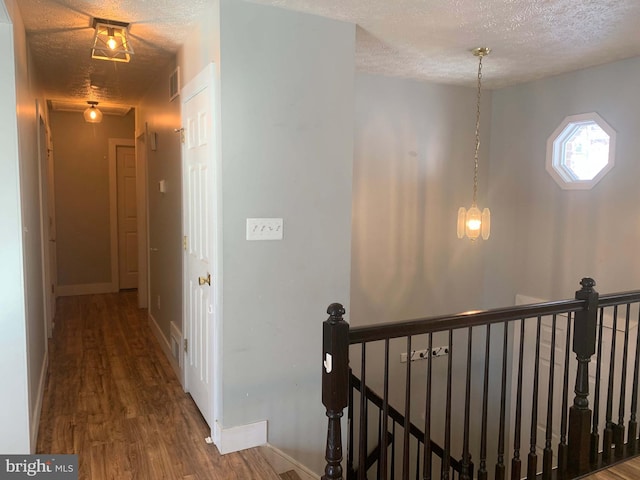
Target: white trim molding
281,463
37,408
166,346
229,440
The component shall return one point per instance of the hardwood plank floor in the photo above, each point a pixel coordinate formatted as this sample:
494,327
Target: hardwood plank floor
112,398
629,470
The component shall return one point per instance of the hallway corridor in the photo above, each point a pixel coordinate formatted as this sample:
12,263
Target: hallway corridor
112,398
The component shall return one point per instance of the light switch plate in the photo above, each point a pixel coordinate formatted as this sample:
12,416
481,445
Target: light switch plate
264,228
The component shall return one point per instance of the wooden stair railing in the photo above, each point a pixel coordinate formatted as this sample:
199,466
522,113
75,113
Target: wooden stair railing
512,349
397,418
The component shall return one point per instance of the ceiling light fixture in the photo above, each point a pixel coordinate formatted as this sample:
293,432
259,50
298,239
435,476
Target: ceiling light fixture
472,222
111,41
92,114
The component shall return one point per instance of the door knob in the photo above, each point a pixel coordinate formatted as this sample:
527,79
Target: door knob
203,280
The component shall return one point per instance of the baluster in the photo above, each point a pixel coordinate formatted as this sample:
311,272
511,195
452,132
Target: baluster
335,385
595,436
418,460
563,448
547,459
482,471
633,423
619,428
532,461
516,463
350,427
607,448
385,414
500,467
426,474
584,346
393,453
447,421
407,414
363,430
464,466
380,451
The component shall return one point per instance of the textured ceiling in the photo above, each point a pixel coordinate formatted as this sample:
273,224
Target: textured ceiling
60,35
426,39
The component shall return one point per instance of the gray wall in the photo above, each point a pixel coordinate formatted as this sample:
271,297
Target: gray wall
82,194
413,169
547,238
287,145
161,117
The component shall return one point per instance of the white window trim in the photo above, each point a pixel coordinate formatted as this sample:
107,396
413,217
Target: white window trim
562,179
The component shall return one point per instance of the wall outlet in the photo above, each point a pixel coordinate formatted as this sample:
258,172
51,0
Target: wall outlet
264,228
424,354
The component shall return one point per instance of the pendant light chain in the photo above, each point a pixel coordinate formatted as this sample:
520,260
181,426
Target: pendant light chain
475,171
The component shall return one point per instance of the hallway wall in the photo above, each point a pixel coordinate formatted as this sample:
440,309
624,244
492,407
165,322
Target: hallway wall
81,171
156,115
23,349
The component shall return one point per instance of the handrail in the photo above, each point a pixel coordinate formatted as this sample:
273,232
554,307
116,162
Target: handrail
474,318
400,420
579,437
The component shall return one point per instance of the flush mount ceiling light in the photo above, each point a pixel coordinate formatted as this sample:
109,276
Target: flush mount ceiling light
472,222
92,114
111,41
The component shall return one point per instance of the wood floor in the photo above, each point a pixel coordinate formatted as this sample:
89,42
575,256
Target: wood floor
629,470
112,398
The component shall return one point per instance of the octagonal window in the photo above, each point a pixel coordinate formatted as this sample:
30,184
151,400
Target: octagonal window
581,151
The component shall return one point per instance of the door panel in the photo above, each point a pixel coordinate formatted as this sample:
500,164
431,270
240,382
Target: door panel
127,217
198,222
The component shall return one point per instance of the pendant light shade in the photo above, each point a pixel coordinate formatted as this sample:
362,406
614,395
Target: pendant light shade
92,114
474,223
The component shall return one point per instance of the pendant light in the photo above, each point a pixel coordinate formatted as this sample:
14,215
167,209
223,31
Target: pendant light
92,114
472,222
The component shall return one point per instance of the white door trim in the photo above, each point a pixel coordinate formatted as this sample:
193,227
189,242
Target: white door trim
143,208
114,143
207,77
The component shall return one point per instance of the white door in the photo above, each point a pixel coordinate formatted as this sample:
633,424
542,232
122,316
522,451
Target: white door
198,164
127,217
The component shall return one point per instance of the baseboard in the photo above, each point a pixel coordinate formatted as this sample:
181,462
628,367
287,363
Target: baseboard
281,462
229,440
166,347
84,289
37,408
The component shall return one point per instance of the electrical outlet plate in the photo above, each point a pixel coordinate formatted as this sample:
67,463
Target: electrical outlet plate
424,354
264,228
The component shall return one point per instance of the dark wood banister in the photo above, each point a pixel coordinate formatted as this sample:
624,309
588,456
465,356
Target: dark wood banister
338,335
400,420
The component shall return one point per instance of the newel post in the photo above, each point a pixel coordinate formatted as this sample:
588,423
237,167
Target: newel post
584,346
335,385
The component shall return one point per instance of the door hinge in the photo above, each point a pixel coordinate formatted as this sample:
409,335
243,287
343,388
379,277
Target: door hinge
53,289
181,132
184,243
186,346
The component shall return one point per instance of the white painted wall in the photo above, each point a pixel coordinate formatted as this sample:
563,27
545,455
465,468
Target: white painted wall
22,322
546,239
287,98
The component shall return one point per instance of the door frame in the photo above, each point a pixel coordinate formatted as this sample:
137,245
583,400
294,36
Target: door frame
207,77
114,143
47,219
